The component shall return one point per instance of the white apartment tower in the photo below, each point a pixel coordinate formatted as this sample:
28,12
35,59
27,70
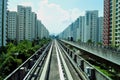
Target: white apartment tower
34,26
75,27
100,29
42,31
91,26
21,23
28,23
3,22
39,29
12,25
80,29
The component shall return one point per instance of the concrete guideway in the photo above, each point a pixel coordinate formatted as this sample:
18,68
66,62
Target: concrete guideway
78,73
57,67
83,66
69,76
45,69
54,67
102,53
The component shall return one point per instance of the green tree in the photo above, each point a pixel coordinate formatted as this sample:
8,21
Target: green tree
13,55
89,41
99,43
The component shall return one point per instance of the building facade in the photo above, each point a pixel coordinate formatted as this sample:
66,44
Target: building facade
91,26
28,24
100,29
106,28
12,25
85,28
75,30
39,29
42,31
82,27
112,26
21,23
3,22
34,26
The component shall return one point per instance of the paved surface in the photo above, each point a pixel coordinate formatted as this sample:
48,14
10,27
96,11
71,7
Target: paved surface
54,70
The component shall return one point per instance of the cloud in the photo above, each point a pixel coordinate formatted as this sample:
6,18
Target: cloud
55,18
75,13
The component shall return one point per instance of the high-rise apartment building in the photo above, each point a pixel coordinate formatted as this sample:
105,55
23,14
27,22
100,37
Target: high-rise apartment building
3,22
100,29
42,31
85,28
80,23
36,29
106,23
34,26
111,23
81,27
28,23
21,23
71,31
12,25
91,25
75,29
39,29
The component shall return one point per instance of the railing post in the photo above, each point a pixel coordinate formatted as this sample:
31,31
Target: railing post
36,56
75,58
31,63
82,65
22,72
90,72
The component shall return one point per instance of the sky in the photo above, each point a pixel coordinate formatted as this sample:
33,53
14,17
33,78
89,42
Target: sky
56,15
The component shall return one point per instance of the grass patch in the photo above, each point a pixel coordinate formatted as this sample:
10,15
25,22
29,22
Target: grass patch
106,72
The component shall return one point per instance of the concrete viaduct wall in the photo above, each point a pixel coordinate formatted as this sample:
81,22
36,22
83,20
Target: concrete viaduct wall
100,51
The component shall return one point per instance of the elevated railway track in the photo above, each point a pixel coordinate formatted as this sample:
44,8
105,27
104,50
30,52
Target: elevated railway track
56,61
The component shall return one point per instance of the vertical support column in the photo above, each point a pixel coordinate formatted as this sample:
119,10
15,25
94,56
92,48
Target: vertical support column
92,74
22,73
39,52
82,65
36,56
68,51
75,58
31,63
70,54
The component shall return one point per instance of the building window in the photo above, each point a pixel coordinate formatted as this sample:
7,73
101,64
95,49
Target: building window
116,1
